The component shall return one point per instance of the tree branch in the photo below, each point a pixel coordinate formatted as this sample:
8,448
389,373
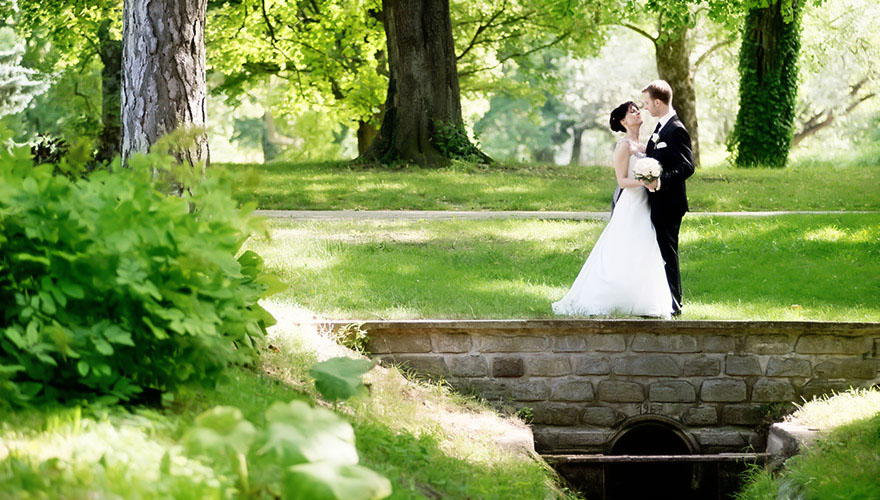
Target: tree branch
814,124
700,60
639,31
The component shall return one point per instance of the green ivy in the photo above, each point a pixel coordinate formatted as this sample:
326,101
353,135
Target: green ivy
112,289
768,85
452,140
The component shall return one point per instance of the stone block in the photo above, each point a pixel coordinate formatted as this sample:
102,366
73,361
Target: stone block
659,342
817,388
508,366
572,390
533,390
721,390
672,391
771,391
606,342
548,366
432,366
788,367
569,343
490,389
741,415
847,368
452,342
649,365
768,344
555,414
700,415
741,365
599,415
582,439
591,365
468,366
395,343
546,438
512,343
724,438
833,344
719,343
618,391
702,367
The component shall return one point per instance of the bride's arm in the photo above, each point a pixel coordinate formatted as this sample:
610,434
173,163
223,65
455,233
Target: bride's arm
621,167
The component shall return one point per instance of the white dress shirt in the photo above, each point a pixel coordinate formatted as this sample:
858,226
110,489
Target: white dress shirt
665,118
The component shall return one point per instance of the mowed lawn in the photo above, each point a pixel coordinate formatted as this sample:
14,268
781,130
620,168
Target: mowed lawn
793,267
337,186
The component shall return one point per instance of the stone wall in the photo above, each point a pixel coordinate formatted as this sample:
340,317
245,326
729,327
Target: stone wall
582,378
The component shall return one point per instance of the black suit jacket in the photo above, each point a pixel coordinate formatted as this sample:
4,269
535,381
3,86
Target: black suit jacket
677,161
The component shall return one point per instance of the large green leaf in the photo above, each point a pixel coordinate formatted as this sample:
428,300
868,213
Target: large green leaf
218,431
323,481
298,433
340,378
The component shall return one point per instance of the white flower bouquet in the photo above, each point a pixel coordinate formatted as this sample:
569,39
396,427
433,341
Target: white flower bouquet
647,170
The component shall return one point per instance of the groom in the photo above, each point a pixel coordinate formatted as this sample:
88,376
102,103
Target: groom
670,144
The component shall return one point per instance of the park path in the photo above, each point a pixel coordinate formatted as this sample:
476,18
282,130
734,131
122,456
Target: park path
502,214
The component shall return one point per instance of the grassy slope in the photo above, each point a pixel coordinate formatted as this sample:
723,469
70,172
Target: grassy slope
336,186
746,268
844,464
429,442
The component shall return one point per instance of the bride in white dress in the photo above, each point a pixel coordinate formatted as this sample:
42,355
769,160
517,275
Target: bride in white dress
624,273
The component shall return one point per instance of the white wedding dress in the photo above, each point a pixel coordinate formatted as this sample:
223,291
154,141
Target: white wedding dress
624,273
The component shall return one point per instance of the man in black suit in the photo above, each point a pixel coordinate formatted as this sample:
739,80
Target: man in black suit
670,144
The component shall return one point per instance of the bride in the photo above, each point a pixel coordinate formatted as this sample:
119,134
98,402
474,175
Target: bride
624,273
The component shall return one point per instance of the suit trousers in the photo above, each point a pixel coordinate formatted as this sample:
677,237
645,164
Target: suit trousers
666,226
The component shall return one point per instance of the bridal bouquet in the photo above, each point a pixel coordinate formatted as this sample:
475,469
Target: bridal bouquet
647,169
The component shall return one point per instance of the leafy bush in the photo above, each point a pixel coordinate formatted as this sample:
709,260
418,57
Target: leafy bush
110,288
302,453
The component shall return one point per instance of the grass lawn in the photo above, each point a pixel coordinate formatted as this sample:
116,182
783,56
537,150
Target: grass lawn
795,267
428,441
337,186
844,464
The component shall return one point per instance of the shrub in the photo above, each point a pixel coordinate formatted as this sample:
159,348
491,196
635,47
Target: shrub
109,288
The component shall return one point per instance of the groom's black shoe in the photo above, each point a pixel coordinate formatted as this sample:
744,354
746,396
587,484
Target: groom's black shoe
676,312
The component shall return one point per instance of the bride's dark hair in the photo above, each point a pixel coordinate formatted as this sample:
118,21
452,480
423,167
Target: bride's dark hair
619,113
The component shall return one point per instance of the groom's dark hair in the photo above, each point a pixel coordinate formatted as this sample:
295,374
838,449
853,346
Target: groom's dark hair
619,114
659,89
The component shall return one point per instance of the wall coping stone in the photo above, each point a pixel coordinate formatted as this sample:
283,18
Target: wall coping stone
562,326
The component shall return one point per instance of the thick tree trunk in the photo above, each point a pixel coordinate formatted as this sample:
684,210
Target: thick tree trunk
422,121
673,65
111,95
366,132
768,86
163,79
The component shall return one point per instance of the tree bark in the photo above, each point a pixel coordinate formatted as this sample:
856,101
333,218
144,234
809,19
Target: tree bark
422,122
673,65
366,132
272,142
163,79
111,95
576,145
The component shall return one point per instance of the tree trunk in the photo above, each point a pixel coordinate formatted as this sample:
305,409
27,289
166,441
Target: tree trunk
111,95
163,79
366,132
673,65
578,133
768,86
422,122
273,143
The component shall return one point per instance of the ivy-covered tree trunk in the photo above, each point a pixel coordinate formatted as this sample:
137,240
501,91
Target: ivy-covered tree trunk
111,95
673,65
768,85
163,79
422,122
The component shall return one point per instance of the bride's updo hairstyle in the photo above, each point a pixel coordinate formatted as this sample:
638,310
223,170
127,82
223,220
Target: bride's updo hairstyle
619,114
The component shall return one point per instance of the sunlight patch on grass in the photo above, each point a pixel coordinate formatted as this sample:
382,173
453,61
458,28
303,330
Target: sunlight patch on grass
828,412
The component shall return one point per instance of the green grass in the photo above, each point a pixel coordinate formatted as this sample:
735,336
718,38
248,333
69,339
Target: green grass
844,464
336,186
404,430
793,267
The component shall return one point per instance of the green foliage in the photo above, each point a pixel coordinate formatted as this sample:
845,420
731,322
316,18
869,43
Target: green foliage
352,336
452,140
300,453
340,378
18,84
111,288
768,70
